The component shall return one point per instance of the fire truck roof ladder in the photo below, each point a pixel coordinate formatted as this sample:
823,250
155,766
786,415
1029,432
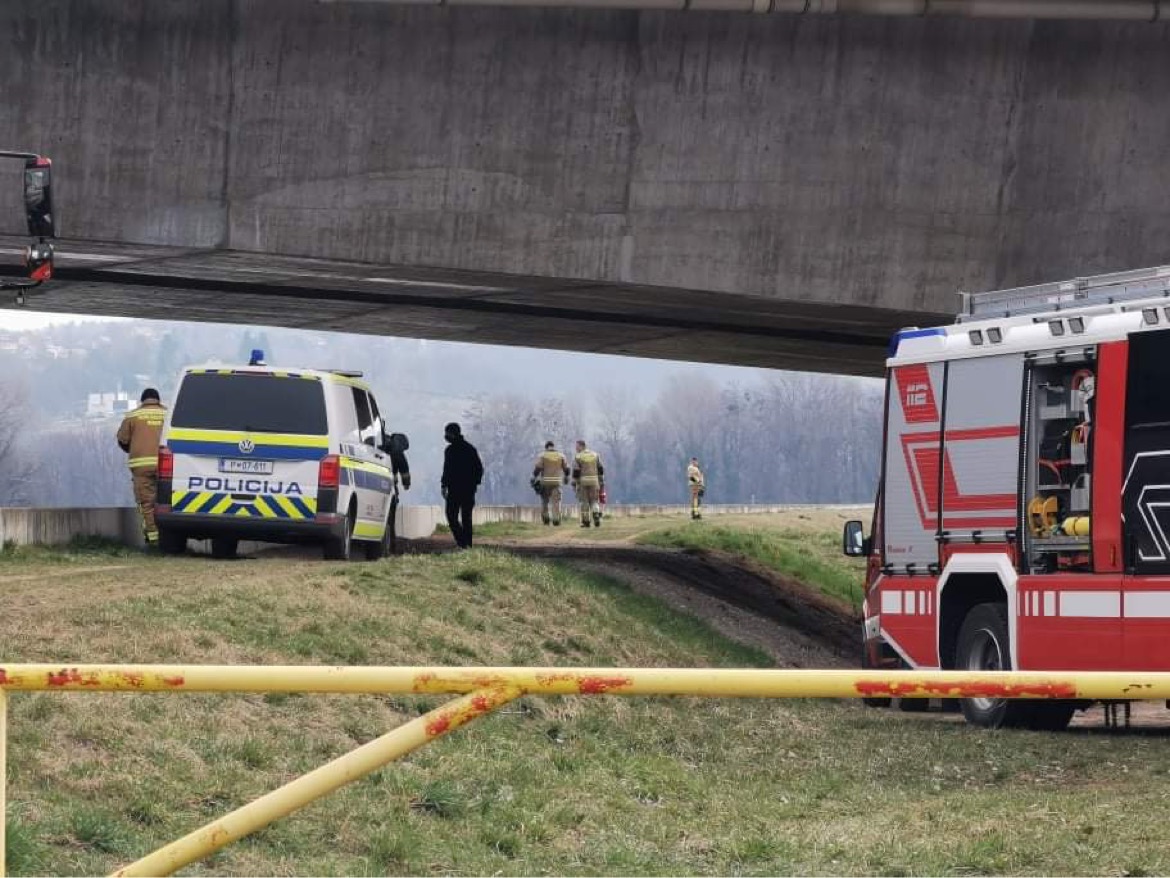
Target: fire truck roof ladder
1081,292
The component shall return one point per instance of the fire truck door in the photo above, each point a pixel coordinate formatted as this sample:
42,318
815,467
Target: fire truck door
1145,502
910,496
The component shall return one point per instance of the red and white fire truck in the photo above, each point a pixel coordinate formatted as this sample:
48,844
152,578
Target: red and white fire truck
42,222
1023,516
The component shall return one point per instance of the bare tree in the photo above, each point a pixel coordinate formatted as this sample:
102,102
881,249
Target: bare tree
83,466
617,418
17,470
505,430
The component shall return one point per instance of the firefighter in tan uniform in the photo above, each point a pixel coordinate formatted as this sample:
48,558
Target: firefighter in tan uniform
697,484
588,479
550,472
139,437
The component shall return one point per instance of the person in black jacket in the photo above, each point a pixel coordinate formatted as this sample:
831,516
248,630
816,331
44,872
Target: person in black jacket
462,473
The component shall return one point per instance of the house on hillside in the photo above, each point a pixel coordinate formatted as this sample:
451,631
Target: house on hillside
108,404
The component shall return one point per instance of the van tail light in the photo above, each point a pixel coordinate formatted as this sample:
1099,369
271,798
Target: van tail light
166,463
329,473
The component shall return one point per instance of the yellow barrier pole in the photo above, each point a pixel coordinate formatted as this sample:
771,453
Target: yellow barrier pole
713,682
3,782
320,782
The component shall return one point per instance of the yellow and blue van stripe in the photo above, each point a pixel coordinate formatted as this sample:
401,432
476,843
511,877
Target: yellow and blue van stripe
260,506
372,529
268,446
366,475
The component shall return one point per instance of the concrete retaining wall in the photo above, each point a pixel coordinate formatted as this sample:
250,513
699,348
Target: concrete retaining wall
55,527
838,158
531,514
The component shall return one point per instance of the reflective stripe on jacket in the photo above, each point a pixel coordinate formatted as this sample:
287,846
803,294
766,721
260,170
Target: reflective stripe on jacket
552,467
140,433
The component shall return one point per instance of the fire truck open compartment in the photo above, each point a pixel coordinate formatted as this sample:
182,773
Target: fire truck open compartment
1057,478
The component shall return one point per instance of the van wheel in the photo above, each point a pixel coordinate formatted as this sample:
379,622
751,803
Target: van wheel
384,547
338,548
224,548
171,543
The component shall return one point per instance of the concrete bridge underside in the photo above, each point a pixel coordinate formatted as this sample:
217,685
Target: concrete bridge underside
166,283
773,190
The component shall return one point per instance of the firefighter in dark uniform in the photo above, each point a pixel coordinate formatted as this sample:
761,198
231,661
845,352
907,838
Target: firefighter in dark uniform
139,437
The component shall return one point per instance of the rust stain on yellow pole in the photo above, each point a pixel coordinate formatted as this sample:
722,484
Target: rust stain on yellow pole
324,780
485,689
733,683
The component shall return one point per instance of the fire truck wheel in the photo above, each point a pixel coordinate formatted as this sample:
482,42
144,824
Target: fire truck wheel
867,665
984,646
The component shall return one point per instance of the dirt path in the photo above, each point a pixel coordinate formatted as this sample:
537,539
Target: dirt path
748,603
796,626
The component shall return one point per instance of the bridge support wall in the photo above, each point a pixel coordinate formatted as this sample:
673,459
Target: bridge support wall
836,158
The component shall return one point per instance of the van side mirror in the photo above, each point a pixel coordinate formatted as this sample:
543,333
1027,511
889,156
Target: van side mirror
853,541
38,198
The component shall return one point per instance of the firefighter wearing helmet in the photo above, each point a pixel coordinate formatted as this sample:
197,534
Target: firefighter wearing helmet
139,436
588,480
550,472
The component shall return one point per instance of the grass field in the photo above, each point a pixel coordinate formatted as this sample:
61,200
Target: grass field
811,520
802,544
562,786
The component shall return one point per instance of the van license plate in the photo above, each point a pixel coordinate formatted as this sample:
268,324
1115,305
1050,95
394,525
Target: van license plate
249,467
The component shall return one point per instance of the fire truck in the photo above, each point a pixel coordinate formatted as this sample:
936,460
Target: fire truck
1022,520
42,222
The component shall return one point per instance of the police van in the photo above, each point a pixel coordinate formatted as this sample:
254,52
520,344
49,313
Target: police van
278,455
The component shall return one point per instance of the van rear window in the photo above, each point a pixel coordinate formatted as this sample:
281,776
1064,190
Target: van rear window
251,402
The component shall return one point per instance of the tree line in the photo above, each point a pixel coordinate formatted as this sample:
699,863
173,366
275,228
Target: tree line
792,438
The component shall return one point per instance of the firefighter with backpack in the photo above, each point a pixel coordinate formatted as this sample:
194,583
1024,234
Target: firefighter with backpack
550,472
588,482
